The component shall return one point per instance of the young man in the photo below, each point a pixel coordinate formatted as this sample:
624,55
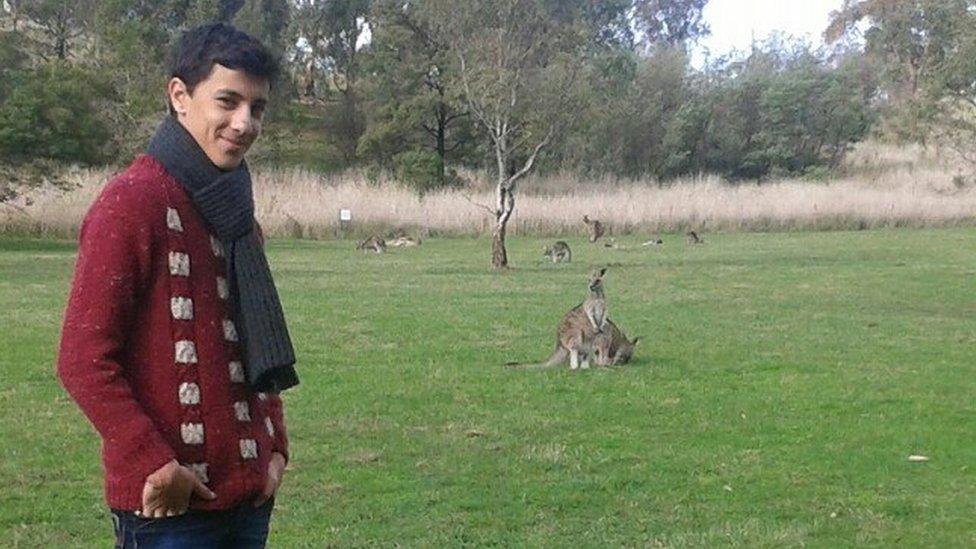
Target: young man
174,343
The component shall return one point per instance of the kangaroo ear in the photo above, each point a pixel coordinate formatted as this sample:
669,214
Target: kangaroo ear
603,271
634,342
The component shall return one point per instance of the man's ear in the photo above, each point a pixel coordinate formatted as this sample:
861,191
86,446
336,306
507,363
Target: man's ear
178,95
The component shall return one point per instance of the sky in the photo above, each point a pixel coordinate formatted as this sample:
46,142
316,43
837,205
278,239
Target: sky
734,22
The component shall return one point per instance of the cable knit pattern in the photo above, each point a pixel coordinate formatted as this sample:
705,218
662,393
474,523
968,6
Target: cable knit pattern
145,350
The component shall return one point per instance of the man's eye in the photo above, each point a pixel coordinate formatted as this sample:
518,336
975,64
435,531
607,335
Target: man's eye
225,102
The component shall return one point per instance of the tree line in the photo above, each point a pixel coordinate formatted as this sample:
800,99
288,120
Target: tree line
420,87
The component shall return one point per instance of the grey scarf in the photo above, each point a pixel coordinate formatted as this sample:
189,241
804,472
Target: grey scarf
225,201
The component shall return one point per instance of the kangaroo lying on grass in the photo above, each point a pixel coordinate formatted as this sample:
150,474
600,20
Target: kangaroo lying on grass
583,331
404,242
559,252
374,243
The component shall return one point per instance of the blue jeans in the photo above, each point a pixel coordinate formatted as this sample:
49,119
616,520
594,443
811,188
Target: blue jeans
244,526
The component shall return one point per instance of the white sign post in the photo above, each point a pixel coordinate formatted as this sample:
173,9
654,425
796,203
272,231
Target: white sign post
345,220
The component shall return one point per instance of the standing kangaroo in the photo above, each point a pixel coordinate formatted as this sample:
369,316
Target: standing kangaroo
595,227
578,334
595,305
693,238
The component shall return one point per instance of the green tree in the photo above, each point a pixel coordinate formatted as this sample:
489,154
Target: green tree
12,59
326,42
515,60
51,113
416,121
783,109
911,39
136,37
266,19
950,89
810,115
631,85
670,22
629,102
62,25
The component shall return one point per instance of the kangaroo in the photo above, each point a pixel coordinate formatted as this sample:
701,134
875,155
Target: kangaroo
693,238
373,243
578,334
615,349
559,252
653,242
595,305
404,242
595,227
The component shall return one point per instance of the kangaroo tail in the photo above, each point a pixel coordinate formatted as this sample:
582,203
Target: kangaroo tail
555,359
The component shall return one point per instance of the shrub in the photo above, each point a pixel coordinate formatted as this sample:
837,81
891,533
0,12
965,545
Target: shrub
52,113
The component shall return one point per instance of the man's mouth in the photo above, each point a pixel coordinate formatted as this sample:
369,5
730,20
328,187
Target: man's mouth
234,143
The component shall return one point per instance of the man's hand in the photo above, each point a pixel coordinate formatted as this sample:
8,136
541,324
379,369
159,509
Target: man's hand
168,490
276,468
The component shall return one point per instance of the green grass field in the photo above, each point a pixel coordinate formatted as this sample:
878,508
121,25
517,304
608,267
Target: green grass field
783,381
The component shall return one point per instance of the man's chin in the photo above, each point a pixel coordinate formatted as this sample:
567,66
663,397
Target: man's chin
228,162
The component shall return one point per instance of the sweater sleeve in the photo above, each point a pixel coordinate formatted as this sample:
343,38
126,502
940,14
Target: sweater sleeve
276,413
113,268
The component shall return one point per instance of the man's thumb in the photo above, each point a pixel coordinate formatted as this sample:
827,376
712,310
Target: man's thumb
201,490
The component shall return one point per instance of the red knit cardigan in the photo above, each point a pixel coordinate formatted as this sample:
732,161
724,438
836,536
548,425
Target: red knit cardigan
148,350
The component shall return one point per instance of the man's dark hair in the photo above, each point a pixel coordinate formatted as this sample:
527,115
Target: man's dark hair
199,48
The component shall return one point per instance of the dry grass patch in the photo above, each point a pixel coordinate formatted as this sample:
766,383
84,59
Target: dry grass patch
884,186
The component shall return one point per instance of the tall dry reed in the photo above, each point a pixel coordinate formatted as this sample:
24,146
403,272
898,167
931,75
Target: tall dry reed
885,186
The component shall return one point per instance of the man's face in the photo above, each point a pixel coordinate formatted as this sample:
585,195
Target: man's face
223,114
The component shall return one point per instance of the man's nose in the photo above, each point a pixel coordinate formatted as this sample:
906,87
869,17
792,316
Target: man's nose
243,120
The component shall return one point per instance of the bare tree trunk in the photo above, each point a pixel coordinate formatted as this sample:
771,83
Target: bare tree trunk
441,135
505,192
498,123
15,13
309,84
62,31
506,203
499,257
61,47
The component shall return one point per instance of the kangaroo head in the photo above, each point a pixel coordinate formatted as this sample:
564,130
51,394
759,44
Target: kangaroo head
624,353
596,280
